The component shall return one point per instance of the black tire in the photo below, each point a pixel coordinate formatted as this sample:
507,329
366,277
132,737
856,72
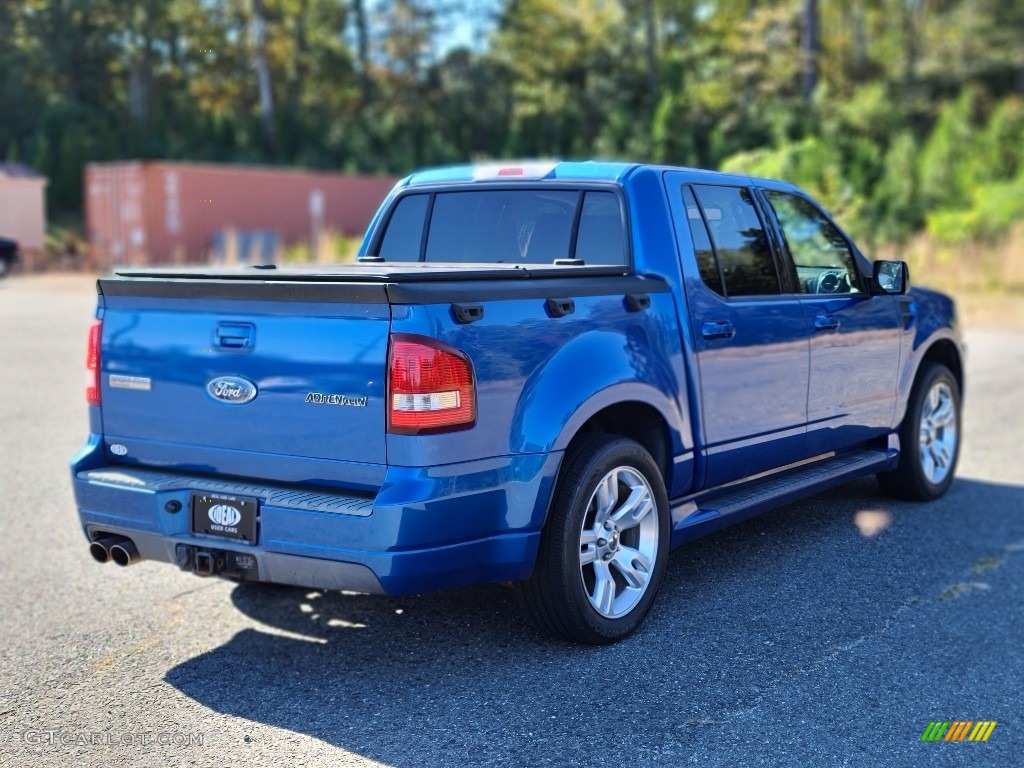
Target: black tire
911,480
5,267
561,595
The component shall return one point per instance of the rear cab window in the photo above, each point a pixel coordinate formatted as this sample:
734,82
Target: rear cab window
506,226
738,260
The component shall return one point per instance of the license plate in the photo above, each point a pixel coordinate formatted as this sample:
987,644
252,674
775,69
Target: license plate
232,517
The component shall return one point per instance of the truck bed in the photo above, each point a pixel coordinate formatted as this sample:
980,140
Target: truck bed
401,272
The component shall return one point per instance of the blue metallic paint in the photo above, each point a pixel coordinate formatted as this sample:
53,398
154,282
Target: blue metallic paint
334,349
535,374
934,323
753,385
468,507
430,527
852,392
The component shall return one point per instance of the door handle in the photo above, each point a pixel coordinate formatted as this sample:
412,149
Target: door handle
719,329
826,323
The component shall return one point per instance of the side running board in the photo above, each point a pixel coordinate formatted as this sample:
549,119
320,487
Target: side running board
735,502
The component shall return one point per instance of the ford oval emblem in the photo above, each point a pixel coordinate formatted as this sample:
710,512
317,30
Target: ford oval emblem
224,514
231,389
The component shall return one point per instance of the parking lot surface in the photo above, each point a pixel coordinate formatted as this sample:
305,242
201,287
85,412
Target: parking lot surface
828,633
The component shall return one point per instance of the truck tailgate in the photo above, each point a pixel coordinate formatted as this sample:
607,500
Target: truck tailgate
220,375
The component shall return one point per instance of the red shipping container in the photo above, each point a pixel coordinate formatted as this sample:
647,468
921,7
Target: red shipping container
163,212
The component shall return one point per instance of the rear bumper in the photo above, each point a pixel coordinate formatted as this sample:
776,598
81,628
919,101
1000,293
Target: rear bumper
424,530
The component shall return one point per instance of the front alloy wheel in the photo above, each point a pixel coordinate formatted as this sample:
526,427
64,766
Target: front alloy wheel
929,438
938,433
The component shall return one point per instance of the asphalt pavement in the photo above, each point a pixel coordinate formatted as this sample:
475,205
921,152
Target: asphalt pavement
828,633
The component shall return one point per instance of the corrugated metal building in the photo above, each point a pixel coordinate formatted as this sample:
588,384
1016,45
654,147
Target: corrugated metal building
162,212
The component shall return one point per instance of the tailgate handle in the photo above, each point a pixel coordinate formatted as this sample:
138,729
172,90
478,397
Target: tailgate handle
561,307
467,313
235,335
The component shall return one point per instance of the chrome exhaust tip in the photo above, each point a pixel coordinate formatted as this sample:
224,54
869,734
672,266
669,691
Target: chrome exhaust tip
124,552
100,549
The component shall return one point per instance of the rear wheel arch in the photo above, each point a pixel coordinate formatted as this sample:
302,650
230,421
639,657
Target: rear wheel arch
638,421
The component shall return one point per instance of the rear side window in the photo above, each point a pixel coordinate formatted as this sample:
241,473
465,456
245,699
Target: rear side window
741,245
405,229
506,226
601,238
706,262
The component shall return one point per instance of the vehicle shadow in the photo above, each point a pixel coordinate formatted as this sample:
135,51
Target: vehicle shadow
458,678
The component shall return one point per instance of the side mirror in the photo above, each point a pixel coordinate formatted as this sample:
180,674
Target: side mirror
891,277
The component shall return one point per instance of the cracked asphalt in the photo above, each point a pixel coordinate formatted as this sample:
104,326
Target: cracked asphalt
828,633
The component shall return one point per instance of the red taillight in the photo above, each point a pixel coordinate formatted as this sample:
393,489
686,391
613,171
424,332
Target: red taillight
92,364
430,387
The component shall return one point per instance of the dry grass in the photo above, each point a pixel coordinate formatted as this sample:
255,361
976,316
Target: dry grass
974,267
986,279
995,310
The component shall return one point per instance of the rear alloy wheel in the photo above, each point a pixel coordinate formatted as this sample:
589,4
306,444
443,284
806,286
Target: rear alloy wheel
604,549
929,438
618,542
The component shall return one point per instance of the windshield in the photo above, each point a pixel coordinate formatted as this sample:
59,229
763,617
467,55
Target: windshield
502,226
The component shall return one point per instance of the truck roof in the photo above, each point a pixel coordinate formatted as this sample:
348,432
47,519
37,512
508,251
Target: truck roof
511,170
558,170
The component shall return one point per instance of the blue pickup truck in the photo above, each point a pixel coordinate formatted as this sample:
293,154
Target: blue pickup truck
548,374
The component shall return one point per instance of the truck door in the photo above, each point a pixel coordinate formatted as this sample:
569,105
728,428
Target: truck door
855,337
750,338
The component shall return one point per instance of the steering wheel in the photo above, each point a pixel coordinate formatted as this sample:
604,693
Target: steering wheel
830,281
